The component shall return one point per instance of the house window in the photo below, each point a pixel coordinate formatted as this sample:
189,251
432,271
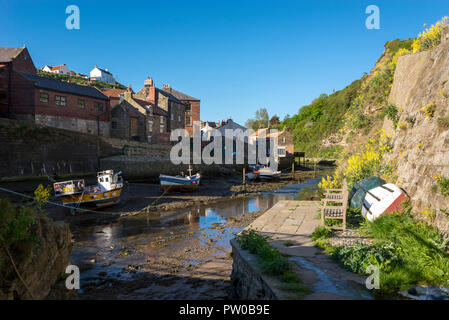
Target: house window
161,127
149,139
283,139
114,124
281,152
179,118
150,111
162,120
44,97
150,125
172,117
189,121
81,103
60,100
98,106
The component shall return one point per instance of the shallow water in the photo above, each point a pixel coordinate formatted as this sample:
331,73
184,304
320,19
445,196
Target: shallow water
133,241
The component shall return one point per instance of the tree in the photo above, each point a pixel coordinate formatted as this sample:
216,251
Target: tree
261,120
274,120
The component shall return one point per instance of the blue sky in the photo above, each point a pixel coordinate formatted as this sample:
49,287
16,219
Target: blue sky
236,56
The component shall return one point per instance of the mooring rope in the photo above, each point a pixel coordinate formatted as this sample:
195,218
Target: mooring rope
81,209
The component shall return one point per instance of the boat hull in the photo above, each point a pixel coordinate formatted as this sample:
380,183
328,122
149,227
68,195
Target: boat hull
384,199
98,199
172,184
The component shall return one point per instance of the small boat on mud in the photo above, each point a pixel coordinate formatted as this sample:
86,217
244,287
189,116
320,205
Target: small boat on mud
266,173
107,191
386,198
180,182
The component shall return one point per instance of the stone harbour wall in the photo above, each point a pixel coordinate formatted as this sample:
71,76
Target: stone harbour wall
248,282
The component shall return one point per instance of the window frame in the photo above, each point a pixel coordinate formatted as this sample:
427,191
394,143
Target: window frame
83,105
44,93
60,100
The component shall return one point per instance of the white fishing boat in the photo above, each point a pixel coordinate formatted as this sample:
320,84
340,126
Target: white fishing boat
383,199
180,182
75,193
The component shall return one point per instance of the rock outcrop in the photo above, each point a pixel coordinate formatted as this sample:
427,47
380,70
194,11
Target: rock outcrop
40,263
421,143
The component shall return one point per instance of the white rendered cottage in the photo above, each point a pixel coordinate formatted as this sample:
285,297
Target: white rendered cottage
62,69
101,75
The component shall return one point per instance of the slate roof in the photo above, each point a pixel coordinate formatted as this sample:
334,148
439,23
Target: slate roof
156,110
230,125
169,96
182,96
60,86
7,54
133,112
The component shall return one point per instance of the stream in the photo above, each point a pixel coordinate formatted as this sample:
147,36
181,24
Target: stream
181,254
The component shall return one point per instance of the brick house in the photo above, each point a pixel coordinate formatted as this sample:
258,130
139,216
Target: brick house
192,108
174,108
14,100
26,96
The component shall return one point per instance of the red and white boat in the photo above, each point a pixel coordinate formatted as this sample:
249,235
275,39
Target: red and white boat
383,199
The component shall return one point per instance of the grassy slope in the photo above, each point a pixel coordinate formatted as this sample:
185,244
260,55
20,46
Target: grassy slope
79,80
346,115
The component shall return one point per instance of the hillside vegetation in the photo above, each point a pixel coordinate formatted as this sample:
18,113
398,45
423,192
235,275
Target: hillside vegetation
80,80
331,122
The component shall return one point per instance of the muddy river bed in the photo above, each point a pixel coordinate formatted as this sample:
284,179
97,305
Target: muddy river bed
172,254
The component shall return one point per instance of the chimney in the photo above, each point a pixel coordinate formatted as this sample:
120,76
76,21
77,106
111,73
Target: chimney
166,88
148,83
129,88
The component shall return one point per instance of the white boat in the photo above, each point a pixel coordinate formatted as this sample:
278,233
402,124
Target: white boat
268,173
106,192
383,199
180,182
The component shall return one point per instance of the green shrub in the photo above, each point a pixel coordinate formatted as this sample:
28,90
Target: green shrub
321,233
272,261
392,113
408,252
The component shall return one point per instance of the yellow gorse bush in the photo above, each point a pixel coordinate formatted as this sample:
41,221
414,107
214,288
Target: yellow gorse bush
363,165
431,37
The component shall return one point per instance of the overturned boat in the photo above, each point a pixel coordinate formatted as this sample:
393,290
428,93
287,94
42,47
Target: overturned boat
386,198
180,182
107,191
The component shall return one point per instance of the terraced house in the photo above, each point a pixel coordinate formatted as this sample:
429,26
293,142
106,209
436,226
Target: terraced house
136,119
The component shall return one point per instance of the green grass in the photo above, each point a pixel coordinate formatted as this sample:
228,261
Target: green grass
272,261
407,251
79,80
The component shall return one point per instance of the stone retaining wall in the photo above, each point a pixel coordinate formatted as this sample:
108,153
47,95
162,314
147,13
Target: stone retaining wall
248,282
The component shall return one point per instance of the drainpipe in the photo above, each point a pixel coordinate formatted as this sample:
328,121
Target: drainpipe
9,89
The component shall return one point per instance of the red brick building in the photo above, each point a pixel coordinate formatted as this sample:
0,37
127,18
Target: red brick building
26,96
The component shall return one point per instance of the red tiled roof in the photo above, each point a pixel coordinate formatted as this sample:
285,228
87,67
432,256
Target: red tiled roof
114,93
57,67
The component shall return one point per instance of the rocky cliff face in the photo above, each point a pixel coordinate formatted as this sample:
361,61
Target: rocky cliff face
40,264
421,142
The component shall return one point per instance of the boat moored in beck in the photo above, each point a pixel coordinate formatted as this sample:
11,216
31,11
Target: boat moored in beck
106,192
